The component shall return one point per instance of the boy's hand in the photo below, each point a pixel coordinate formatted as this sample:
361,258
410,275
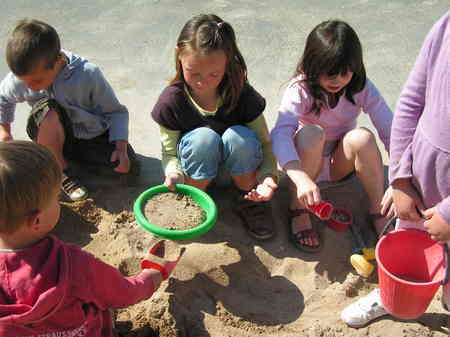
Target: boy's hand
155,260
436,225
5,132
172,179
121,154
264,191
407,201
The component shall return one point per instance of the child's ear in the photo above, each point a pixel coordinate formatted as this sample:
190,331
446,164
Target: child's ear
33,220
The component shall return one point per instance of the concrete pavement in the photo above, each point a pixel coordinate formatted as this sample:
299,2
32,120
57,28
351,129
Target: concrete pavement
133,41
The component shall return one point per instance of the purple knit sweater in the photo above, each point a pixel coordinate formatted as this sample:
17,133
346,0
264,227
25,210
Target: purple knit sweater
420,135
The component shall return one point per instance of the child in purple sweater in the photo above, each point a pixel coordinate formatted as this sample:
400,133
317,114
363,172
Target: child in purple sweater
419,170
49,287
315,137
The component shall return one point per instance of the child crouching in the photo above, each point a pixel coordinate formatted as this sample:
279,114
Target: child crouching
49,287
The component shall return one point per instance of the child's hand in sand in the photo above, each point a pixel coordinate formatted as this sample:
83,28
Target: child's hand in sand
436,225
264,191
156,261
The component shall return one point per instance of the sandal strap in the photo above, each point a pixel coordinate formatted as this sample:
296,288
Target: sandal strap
257,217
303,234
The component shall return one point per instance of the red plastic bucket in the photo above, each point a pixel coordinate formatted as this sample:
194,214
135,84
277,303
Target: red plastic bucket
411,266
339,220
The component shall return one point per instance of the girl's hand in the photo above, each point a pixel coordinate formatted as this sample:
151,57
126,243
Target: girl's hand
436,225
172,179
387,204
407,201
264,191
308,192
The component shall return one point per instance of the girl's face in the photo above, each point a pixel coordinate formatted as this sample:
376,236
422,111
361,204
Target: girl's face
203,73
335,83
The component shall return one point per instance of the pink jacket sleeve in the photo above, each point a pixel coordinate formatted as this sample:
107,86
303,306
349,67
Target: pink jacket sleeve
282,135
105,286
379,112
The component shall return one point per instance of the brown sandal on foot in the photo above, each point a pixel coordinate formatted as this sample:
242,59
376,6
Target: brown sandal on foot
296,237
257,218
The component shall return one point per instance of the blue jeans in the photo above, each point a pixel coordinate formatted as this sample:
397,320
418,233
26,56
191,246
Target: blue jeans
202,152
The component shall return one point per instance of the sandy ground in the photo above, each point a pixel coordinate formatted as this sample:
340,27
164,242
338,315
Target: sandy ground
227,284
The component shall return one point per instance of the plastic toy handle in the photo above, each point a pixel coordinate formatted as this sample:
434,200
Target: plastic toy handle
165,269
323,210
147,264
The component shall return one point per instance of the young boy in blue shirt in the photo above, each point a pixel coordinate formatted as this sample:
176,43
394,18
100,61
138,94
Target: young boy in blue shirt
75,113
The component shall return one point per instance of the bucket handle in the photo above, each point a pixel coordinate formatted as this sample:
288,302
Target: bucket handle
391,222
446,258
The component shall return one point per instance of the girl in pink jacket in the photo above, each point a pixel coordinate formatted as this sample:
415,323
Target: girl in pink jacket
316,138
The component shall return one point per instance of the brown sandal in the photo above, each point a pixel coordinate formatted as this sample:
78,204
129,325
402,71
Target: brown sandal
257,218
296,237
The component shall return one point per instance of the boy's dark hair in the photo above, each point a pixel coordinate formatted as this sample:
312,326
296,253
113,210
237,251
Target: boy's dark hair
331,48
29,175
206,33
31,42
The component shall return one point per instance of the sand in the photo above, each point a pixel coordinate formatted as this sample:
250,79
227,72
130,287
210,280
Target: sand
228,284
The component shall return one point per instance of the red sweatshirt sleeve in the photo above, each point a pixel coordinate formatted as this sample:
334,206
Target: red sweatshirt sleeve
105,286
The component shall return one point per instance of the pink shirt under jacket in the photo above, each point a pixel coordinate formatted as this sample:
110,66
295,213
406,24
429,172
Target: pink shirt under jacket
294,113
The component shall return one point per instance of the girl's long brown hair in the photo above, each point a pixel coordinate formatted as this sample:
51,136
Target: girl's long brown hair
331,48
206,33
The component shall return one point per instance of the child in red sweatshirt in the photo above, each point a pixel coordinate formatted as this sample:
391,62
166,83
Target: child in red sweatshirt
49,287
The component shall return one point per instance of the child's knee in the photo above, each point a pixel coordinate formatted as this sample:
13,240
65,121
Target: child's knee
242,141
202,143
51,120
361,139
310,137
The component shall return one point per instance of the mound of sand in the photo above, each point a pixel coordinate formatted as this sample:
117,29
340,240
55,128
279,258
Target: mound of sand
227,284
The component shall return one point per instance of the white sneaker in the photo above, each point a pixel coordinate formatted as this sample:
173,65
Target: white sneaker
365,310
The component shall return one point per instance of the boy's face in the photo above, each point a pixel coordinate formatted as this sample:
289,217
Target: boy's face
41,77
